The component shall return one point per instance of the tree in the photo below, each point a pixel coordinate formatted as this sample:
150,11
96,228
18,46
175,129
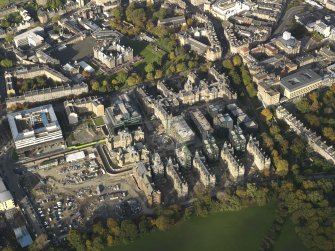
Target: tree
237,61
133,79
9,37
144,225
227,64
113,227
312,119
121,77
76,240
6,63
281,166
99,229
97,244
129,231
303,105
110,240
158,74
40,243
297,147
266,115
95,85
117,13
86,74
164,223
149,68
235,77
329,133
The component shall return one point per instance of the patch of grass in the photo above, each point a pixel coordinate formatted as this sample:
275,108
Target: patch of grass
99,121
288,239
4,2
228,231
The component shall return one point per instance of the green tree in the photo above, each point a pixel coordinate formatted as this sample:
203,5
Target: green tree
281,166
129,231
158,74
6,63
164,222
9,37
227,64
303,105
113,227
266,115
97,244
117,13
235,77
95,85
76,240
237,60
149,68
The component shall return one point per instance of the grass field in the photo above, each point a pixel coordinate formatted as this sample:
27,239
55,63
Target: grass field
147,51
288,239
228,231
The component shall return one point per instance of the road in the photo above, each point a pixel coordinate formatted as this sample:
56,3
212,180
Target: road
288,17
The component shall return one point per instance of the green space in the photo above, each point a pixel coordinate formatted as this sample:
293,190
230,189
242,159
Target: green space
149,53
88,144
99,121
4,2
238,231
288,239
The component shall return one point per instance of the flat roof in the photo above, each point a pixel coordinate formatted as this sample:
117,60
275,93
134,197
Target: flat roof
300,79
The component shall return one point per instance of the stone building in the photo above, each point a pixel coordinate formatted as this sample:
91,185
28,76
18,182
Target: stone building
207,179
114,54
288,44
157,166
202,124
144,181
261,161
235,168
6,198
124,139
179,185
75,107
211,149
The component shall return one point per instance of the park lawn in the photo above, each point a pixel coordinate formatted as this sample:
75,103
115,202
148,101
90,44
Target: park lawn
147,52
228,231
288,239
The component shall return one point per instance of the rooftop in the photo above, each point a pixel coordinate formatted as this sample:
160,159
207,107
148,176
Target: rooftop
300,79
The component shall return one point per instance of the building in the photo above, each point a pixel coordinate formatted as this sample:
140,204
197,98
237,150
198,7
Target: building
6,198
223,121
124,139
113,55
300,83
36,130
194,37
74,157
180,130
122,113
204,127
267,94
224,9
22,236
9,84
47,94
179,185
237,139
157,166
42,16
211,149
36,71
33,37
76,107
261,161
144,181
236,169
207,179
184,156
288,44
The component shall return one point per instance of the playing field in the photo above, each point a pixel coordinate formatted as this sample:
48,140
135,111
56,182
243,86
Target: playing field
229,231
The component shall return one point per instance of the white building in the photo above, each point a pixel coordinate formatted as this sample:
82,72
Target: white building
224,9
31,37
35,130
